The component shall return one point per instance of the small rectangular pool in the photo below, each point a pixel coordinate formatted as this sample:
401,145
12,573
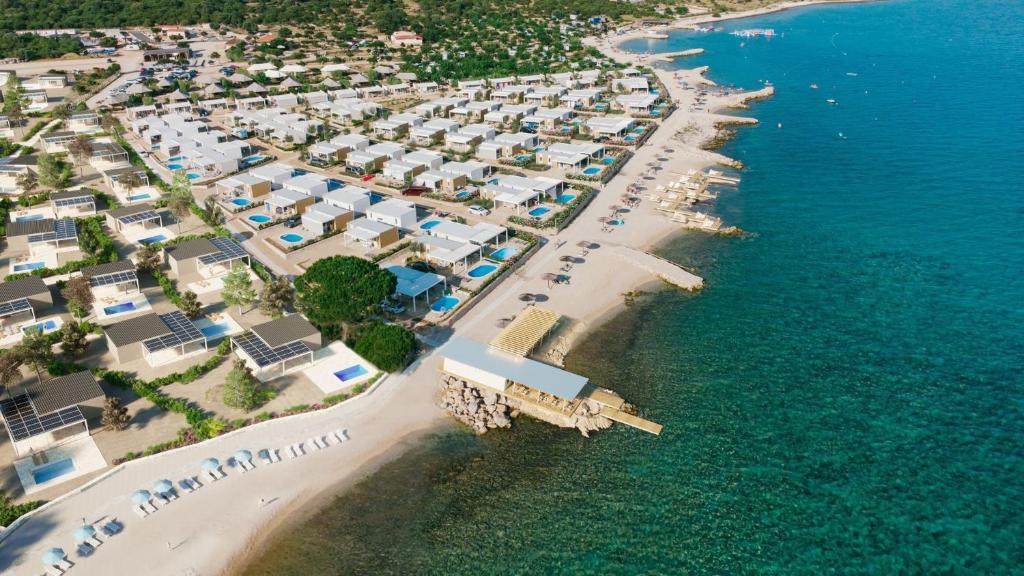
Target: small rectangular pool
29,266
47,326
351,373
53,470
153,239
119,308
216,330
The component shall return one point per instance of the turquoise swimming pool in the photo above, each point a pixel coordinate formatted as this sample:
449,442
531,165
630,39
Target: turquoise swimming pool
608,160
524,157
592,170
292,238
539,211
47,326
152,239
617,222
175,166
481,270
29,218
241,202
259,218
134,197
29,266
250,160
53,470
216,330
462,194
194,175
565,198
445,304
429,224
505,253
351,373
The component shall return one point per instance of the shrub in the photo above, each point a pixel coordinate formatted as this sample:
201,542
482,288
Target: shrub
389,346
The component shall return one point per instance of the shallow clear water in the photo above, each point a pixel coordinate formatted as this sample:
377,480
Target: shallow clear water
845,396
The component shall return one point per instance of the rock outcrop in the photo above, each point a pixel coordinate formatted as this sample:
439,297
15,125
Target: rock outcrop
481,410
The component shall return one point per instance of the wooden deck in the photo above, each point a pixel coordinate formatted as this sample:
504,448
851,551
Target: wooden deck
631,420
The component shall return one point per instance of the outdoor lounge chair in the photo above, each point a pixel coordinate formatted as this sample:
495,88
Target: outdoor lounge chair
248,465
300,448
314,443
291,451
341,434
149,507
319,442
64,564
241,466
54,571
212,475
265,456
94,541
85,550
140,511
162,499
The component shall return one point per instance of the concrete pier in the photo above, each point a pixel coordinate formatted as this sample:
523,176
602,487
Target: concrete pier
667,271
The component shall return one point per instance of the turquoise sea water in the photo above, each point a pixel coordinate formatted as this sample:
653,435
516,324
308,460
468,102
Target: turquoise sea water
845,397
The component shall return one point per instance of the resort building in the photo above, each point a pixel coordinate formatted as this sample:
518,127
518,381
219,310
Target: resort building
325,153
42,415
13,168
609,126
245,185
21,302
360,162
471,169
352,142
157,338
518,191
277,173
310,184
125,178
445,252
440,181
133,220
352,198
636,103
72,203
432,131
394,212
112,279
570,156
414,283
507,144
285,202
585,98
631,85
480,234
42,236
370,233
204,258
429,159
279,346
277,125
322,218
55,142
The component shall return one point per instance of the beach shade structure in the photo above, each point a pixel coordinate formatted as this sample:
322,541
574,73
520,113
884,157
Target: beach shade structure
53,556
140,497
503,322
527,297
84,532
289,83
177,96
210,464
137,89
163,83
243,456
550,277
163,486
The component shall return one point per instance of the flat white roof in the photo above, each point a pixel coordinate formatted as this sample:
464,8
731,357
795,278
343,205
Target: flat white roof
366,229
323,213
393,207
536,375
479,233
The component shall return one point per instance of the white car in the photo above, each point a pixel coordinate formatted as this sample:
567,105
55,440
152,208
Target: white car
479,211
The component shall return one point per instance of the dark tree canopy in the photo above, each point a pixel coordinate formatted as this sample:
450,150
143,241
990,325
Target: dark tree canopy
342,290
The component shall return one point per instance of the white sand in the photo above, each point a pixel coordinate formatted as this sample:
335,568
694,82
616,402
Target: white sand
201,532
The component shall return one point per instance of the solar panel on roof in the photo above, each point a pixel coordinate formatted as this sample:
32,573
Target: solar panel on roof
183,331
62,230
264,355
139,217
65,202
14,306
23,422
227,250
113,278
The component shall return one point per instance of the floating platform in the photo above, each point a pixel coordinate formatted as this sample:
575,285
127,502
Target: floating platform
664,269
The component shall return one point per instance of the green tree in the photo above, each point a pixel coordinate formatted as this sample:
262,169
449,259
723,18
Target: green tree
214,215
129,181
341,290
148,258
190,304
278,296
80,149
388,346
179,197
52,171
241,389
73,340
13,99
35,351
238,289
27,181
78,293
115,416
10,368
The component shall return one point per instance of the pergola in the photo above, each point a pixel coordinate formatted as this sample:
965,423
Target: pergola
265,357
527,331
182,333
228,252
414,283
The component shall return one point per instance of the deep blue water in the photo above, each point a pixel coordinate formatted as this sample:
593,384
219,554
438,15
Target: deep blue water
846,395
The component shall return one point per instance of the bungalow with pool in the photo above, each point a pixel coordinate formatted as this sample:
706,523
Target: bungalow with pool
544,95
276,347
583,98
325,153
512,94
631,85
401,172
44,414
112,279
440,181
426,158
445,252
439,107
106,152
156,338
310,184
425,87
636,103
134,220
414,283
360,162
204,258
370,233
394,212
286,202
569,156
56,142
21,302
12,168
352,142
72,203
43,236
352,198
548,118
115,176
277,173
609,126
507,144
322,218
517,191
471,169
479,234
245,185
390,150
432,131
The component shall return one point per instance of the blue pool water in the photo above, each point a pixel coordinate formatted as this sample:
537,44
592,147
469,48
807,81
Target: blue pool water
241,201
175,158
493,181
539,211
523,157
119,308
152,239
608,160
481,270
592,170
444,304
134,197
29,266
46,326
629,138
600,106
53,470
376,197
617,222
250,160
194,175
565,198
29,218
538,149
638,130
429,224
175,166
299,172
462,194
292,237
333,184
216,330
505,253
259,218
351,373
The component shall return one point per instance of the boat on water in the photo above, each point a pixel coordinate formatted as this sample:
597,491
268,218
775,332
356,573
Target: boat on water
754,32
704,29
655,35
831,101
814,86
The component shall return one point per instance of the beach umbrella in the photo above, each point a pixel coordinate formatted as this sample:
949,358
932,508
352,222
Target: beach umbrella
84,532
526,297
53,556
289,83
549,278
210,464
163,486
583,244
243,456
141,496
503,322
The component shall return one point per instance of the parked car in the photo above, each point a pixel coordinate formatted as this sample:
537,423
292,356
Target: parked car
293,221
415,191
479,210
392,307
368,177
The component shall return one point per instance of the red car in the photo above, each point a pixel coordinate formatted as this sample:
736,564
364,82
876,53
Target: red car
368,177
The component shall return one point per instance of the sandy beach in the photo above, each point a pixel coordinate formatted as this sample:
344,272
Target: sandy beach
204,532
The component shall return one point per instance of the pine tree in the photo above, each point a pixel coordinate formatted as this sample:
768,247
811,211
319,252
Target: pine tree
278,296
241,389
148,258
190,304
73,340
115,416
35,351
179,197
238,290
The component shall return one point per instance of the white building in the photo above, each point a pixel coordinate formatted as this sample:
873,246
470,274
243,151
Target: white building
394,212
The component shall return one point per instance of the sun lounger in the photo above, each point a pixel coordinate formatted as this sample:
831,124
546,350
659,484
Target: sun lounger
341,434
300,448
212,475
291,451
241,466
94,542
149,507
274,456
140,511
161,499
319,442
265,456
248,465
312,442
64,564
54,571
